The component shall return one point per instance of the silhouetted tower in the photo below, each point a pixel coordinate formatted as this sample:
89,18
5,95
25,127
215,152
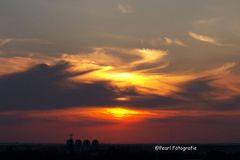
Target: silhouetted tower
95,142
78,142
70,141
86,142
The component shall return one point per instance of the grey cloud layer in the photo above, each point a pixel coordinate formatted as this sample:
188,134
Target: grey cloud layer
73,26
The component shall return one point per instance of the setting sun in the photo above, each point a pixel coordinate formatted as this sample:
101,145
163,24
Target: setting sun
121,112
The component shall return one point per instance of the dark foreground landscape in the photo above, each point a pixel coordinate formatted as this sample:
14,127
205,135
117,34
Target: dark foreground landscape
119,152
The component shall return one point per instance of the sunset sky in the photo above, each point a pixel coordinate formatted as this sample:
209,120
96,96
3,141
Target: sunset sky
121,71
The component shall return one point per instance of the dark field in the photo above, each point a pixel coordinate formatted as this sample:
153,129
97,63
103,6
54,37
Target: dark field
116,152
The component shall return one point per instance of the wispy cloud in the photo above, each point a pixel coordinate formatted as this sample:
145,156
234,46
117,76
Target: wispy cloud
169,41
125,8
165,41
209,22
5,41
204,38
180,43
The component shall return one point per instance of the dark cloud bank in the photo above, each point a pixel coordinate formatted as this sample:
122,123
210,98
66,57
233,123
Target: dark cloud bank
48,87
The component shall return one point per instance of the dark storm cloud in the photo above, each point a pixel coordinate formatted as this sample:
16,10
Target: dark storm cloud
201,93
198,93
230,104
47,87
194,94
198,88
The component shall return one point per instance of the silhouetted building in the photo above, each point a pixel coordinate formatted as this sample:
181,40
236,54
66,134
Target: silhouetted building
70,141
86,142
78,142
95,142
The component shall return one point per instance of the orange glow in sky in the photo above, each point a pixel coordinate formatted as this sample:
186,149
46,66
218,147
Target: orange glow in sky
111,114
121,113
105,113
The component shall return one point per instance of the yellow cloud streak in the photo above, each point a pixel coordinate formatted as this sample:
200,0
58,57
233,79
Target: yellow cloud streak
144,83
149,55
121,75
